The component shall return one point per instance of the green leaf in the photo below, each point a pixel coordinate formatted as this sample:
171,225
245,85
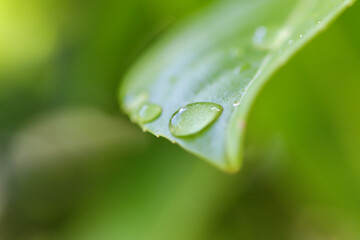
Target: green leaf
224,55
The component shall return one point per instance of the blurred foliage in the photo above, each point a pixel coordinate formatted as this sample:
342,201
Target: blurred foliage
72,167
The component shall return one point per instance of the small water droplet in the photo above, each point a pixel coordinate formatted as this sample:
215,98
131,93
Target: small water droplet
291,41
148,112
236,103
193,118
259,38
266,38
301,36
134,101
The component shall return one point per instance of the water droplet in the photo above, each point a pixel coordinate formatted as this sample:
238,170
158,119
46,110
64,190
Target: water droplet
291,41
134,101
318,20
236,103
193,118
265,38
301,36
148,112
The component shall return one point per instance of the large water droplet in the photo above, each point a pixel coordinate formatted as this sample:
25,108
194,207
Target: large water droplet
193,118
148,112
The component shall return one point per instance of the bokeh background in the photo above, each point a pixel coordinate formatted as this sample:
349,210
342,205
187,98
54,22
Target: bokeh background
72,166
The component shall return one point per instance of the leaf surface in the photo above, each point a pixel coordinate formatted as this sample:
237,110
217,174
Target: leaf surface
222,55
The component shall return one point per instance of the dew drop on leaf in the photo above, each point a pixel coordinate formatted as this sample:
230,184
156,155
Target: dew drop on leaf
193,118
148,112
134,101
318,21
265,38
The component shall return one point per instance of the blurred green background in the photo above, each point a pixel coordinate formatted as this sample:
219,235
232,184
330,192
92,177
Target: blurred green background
72,166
